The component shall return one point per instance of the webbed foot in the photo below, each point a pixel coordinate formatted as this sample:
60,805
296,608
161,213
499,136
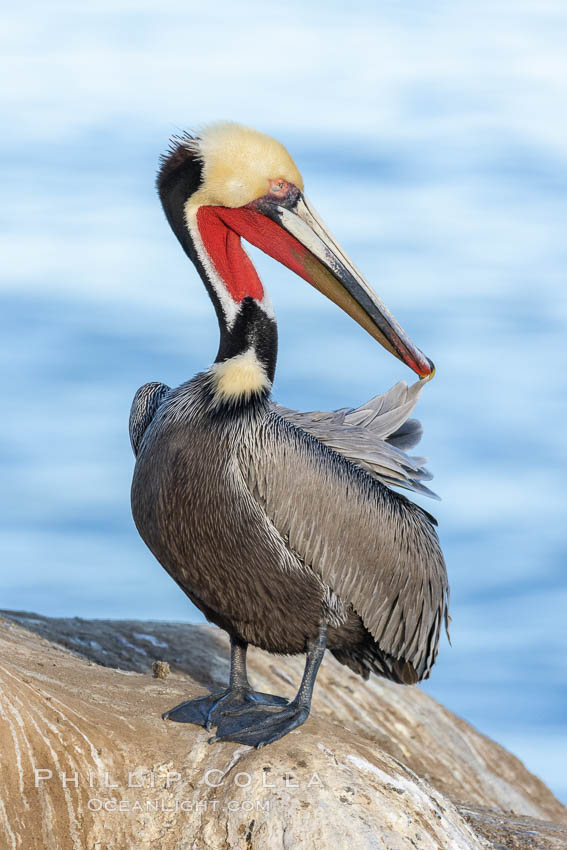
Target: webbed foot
205,711
257,726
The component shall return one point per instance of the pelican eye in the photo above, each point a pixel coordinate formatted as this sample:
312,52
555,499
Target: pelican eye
279,188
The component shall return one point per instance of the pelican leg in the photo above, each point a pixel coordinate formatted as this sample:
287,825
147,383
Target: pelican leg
203,711
258,726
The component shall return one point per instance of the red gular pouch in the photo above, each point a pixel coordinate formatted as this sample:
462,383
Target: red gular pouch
221,229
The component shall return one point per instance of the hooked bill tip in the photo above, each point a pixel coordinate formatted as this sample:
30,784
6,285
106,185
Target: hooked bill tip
431,373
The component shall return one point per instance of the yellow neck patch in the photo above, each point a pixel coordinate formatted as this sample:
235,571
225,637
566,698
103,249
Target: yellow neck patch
239,377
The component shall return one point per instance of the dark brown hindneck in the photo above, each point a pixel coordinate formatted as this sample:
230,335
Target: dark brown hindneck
252,329
180,176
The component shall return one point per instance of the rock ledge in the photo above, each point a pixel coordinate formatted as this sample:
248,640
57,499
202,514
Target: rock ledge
87,763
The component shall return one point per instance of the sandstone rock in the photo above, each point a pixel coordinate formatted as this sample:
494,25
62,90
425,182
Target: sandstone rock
87,763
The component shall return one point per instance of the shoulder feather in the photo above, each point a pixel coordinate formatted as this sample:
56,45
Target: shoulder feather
146,401
374,436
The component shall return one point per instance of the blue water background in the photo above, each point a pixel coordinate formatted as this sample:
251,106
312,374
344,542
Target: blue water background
432,140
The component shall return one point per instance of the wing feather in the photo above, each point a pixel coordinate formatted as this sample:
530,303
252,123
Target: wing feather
374,435
374,548
146,401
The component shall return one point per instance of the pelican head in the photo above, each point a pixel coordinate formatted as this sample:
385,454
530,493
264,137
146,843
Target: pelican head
230,182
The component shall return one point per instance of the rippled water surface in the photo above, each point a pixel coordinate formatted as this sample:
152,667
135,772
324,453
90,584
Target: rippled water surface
433,144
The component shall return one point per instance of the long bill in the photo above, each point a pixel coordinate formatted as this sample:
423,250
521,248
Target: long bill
296,236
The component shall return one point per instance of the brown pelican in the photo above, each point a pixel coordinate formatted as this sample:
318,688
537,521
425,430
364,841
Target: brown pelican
281,526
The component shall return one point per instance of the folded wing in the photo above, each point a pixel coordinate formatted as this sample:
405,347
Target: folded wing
373,547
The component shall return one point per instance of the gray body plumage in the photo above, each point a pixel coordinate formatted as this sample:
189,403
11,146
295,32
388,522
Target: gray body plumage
272,520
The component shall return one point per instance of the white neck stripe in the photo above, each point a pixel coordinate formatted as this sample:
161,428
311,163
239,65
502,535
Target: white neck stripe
229,306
